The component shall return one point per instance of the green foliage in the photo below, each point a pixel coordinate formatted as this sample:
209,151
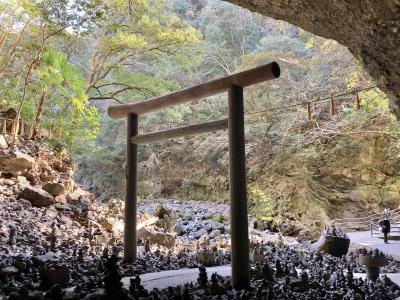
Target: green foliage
374,99
261,205
80,131
139,40
231,40
36,73
99,52
66,80
80,16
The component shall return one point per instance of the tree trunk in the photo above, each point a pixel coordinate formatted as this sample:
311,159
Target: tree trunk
39,111
21,104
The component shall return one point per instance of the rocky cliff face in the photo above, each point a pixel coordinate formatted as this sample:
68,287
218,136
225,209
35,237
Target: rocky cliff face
298,189
31,171
370,29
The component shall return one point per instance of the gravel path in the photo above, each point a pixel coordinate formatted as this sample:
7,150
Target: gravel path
162,280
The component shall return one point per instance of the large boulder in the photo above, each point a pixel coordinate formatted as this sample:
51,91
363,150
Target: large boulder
156,237
36,196
53,188
112,224
15,162
333,244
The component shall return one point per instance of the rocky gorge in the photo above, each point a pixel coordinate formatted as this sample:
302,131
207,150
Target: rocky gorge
296,184
58,242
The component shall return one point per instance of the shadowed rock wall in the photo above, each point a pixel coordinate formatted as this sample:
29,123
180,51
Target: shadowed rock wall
370,30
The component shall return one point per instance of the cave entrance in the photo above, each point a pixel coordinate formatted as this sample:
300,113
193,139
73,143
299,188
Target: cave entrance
234,84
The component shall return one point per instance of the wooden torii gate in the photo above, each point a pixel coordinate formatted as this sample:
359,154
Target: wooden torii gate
234,84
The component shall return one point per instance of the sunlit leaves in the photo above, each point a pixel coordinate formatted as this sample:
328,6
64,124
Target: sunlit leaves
374,99
79,131
137,38
64,78
125,41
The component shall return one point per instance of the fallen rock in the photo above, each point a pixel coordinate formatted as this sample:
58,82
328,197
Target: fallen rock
5,181
217,217
52,212
118,227
204,240
92,215
64,207
82,204
156,237
25,203
3,142
112,225
43,165
36,196
15,162
79,194
206,259
160,211
101,237
217,226
55,189
107,223
215,233
61,199
150,222
332,244
48,176
22,180
200,233
69,185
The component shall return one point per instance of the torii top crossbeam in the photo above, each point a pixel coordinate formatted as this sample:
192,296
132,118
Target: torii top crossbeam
246,78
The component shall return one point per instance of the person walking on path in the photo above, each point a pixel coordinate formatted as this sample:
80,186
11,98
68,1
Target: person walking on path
385,225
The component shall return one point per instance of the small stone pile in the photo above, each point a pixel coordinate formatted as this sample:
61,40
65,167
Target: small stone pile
266,283
336,232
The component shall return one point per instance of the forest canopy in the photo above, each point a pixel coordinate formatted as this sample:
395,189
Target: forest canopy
62,63
59,59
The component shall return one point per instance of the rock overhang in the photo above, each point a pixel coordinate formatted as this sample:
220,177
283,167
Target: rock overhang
369,29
